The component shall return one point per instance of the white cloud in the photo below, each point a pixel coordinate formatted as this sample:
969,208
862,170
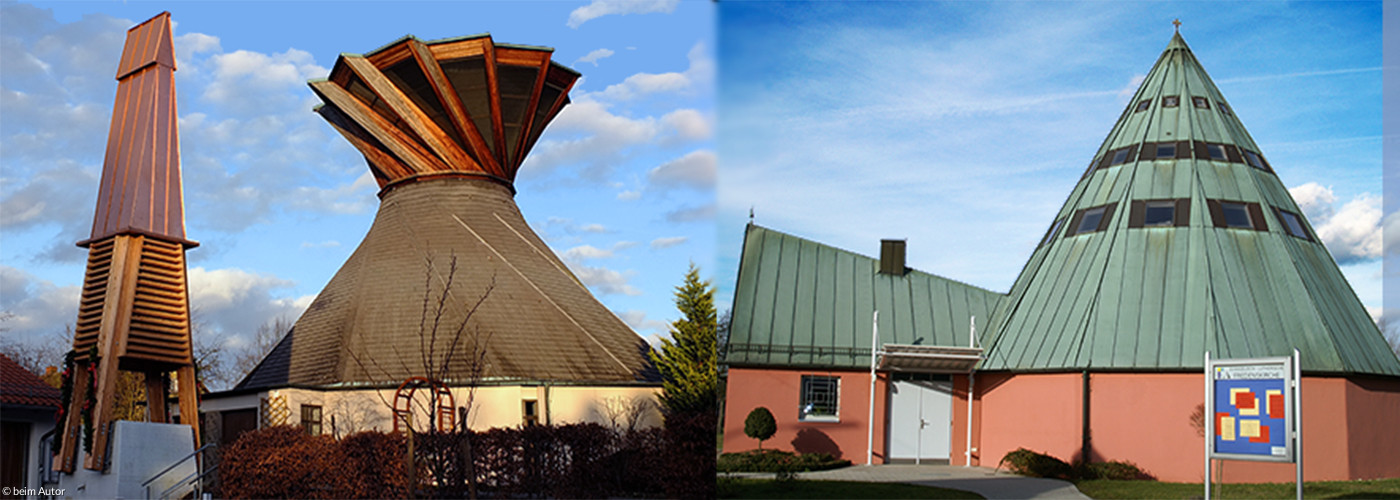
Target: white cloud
688,124
605,281
595,56
639,322
585,252
353,198
668,242
323,244
1391,231
629,195
700,72
692,214
1314,199
233,301
695,170
600,8
39,307
1353,232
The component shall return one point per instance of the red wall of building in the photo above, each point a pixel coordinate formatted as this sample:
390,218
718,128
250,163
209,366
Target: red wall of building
1351,428
780,392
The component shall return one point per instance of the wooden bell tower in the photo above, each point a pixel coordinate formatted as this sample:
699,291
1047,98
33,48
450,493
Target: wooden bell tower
135,303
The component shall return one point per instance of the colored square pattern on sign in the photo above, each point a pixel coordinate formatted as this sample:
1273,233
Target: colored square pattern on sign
1249,417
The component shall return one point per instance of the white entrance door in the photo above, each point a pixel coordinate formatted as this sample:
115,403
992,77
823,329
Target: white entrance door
921,421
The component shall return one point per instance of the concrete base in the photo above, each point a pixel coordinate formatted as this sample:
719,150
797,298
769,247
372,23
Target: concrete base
139,450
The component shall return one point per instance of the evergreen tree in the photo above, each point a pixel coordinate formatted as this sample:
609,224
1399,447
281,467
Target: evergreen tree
687,364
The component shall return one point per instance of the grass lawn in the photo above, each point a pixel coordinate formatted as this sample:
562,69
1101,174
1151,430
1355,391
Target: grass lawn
767,488
1106,489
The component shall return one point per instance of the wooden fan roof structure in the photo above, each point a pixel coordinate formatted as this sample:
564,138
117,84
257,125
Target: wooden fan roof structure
444,126
455,107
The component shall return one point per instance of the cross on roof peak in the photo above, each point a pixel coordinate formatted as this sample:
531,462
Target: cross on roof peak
1177,23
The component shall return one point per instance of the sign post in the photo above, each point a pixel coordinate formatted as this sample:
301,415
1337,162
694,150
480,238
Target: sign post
1252,412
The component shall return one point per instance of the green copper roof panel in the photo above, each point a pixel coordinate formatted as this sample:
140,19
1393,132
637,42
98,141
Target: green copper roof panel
803,304
1156,298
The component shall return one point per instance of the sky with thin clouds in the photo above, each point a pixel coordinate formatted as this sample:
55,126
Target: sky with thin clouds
621,184
963,126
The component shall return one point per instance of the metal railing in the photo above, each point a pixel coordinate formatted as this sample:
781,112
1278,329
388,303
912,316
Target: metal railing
195,478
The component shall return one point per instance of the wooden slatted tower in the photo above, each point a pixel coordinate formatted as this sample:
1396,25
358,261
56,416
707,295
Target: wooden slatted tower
135,299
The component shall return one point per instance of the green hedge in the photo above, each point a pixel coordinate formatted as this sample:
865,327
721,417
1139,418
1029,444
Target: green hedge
778,461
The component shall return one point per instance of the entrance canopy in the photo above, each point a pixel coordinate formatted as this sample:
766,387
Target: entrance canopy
927,359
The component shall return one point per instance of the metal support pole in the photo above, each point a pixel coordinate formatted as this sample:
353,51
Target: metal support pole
870,420
1298,418
1210,421
971,387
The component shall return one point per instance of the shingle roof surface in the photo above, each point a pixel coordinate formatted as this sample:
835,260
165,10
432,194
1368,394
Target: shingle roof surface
19,387
538,323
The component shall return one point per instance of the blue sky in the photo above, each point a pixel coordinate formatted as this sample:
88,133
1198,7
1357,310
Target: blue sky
621,185
963,126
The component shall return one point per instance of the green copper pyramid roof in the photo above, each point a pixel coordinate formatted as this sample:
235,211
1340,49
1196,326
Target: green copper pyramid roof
799,303
1180,239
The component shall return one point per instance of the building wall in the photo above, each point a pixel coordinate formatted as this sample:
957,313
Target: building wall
495,406
1350,427
780,391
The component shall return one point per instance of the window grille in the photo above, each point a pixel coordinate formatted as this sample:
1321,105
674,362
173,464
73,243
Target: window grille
820,397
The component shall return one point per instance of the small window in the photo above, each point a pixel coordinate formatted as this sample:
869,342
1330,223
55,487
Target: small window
1159,213
311,419
1054,228
1217,151
1253,159
1170,101
1142,105
1119,157
1223,108
1090,221
1200,102
1236,215
1166,150
529,411
820,397
1293,224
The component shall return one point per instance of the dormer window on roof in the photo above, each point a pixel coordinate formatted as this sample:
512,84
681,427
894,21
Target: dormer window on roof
1170,101
1142,105
1254,160
1091,219
1159,213
1237,215
1166,150
1217,151
1050,235
1292,223
1200,102
1223,108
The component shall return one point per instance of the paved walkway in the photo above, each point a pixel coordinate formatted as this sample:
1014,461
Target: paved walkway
983,481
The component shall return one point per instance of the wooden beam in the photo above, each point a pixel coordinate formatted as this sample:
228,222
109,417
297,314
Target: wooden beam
121,291
456,111
436,139
494,91
390,167
156,397
403,146
188,395
527,124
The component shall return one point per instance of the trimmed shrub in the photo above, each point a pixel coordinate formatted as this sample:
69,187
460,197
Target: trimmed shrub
283,462
1029,463
760,425
1113,469
778,461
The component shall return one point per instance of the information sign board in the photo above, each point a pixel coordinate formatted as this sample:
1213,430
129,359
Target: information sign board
1251,405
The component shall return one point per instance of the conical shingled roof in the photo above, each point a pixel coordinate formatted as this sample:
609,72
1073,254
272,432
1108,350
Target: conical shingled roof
444,125
1181,239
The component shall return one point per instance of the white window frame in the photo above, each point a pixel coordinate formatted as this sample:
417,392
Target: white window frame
805,408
